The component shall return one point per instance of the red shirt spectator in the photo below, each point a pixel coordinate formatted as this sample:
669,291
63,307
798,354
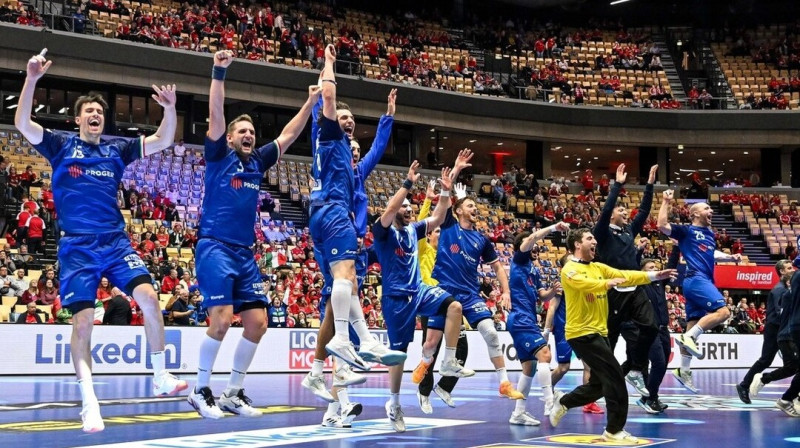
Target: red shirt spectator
35,226
169,282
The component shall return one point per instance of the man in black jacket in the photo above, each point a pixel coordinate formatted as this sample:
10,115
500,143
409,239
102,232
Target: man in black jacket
118,311
769,347
616,247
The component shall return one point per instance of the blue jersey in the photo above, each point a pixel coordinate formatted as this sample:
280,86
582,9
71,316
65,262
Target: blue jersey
332,168
86,178
231,191
363,168
697,245
458,255
560,318
398,254
525,283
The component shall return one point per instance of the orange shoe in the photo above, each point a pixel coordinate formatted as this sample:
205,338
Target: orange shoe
593,408
419,372
507,390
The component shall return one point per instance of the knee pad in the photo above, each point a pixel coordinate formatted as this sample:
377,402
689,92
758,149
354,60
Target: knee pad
489,333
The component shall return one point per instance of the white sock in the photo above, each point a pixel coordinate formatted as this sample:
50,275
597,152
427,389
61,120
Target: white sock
242,358
686,362
87,391
344,400
316,368
340,305
544,379
695,332
503,374
524,386
157,359
357,320
449,353
427,359
333,408
394,399
208,354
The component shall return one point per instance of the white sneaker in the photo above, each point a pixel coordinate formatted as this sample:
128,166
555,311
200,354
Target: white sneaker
166,384
524,419
558,411
332,421
425,403
454,368
203,402
343,349
316,384
788,408
92,421
685,378
636,380
239,404
756,385
622,436
344,376
372,350
548,406
395,414
349,413
444,395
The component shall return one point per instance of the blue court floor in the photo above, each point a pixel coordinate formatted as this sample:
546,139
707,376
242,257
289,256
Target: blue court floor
43,412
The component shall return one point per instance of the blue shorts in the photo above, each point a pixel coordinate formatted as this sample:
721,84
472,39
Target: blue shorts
702,297
563,349
527,338
85,259
323,302
327,277
333,232
472,306
228,275
400,313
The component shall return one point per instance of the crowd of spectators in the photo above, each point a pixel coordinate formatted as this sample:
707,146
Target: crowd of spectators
19,13
782,53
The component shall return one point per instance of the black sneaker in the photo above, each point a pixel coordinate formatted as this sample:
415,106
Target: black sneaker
744,393
647,405
660,405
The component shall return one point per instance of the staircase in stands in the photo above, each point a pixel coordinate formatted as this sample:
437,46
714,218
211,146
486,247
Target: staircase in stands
754,246
290,210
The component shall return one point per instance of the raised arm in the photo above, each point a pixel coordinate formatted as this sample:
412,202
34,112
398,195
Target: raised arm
382,136
440,212
601,229
165,134
430,195
216,95
329,84
462,161
294,127
527,243
663,213
37,67
387,218
555,302
647,203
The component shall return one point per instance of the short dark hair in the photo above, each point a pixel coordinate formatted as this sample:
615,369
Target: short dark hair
644,262
781,265
519,238
339,105
563,260
575,236
91,97
240,118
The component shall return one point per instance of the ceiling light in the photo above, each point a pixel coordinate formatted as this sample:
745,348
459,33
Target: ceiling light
578,164
746,152
444,138
713,152
433,129
133,129
39,107
556,148
617,2
473,141
578,158
730,160
13,106
499,143
595,157
566,157
441,147
699,160
62,110
588,149
10,97
619,150
680,152
680,146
